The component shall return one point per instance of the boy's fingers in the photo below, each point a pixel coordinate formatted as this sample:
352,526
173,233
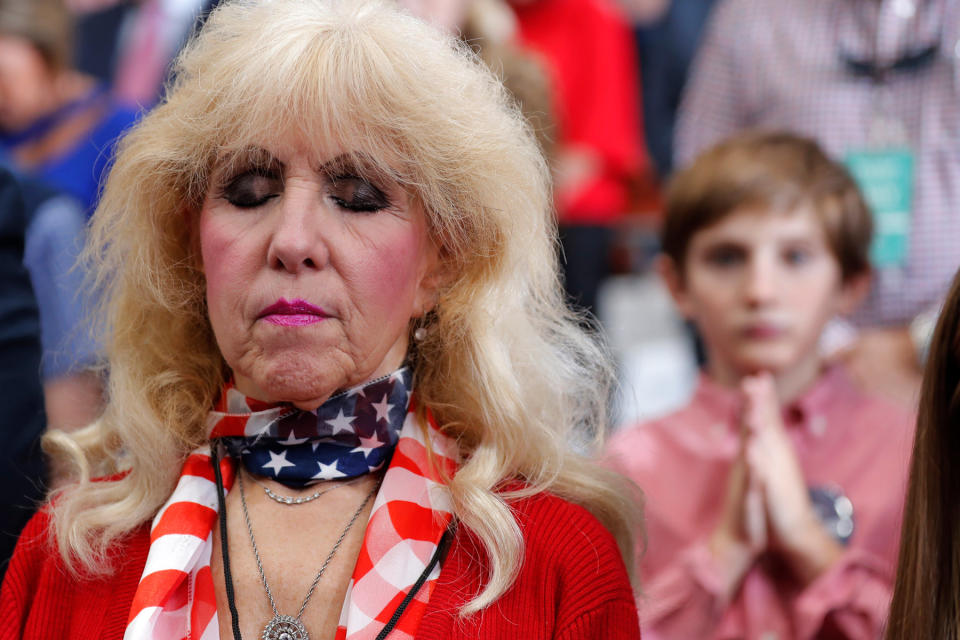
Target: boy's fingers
756,462
754,513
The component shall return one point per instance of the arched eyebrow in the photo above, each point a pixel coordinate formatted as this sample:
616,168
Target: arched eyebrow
360,165
356,164
245,159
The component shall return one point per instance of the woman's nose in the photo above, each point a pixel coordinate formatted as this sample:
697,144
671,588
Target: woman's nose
298,240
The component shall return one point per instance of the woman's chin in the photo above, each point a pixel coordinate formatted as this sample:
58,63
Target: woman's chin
306,394
304,387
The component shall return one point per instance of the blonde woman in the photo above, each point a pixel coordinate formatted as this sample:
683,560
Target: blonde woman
343,381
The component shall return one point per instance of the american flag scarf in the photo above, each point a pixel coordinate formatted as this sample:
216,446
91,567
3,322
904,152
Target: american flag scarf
175,597
351,434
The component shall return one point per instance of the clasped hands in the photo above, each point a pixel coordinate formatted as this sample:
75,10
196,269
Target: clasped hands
767,508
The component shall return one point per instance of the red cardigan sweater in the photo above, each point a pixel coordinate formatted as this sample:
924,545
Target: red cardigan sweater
572,584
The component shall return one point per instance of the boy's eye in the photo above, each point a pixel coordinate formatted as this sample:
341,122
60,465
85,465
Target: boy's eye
724,256
252,188
357,194
797,256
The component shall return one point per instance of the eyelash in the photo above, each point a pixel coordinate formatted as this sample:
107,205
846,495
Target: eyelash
233,190
371,198
371,202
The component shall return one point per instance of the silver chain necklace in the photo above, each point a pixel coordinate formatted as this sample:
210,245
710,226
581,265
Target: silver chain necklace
283,627
276,497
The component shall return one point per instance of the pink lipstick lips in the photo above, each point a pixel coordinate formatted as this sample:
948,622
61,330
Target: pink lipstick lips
295,313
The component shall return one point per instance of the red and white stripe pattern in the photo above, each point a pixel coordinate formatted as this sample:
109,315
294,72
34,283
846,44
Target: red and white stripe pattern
175,597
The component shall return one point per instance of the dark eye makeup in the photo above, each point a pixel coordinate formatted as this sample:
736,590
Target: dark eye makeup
253,187
260,179
357,194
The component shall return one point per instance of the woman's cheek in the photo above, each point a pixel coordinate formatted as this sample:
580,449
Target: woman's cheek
396,274
224,272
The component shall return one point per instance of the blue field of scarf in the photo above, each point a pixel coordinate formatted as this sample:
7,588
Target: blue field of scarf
354,432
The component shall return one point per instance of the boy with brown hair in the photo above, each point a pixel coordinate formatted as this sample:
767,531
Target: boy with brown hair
774,497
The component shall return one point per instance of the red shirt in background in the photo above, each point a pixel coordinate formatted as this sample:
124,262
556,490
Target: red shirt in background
587,47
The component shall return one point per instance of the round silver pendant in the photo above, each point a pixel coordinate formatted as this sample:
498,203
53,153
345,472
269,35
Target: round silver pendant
285,628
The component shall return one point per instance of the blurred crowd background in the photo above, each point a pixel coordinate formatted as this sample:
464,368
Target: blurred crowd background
621,94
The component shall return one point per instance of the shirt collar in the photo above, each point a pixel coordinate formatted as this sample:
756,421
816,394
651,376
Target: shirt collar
807,411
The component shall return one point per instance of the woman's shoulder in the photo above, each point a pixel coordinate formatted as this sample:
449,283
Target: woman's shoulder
40,597
539,515
571,583
564,537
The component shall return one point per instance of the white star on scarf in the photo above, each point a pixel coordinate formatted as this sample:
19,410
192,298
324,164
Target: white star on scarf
341,423
292,441
383,408
367,443
328,471
278,462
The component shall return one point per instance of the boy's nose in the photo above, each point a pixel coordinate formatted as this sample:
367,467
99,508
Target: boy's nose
760,286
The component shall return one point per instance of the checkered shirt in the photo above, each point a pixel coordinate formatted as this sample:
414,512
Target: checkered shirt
777,65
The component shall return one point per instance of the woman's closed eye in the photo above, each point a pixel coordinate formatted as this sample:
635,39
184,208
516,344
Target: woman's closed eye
357,194
253,188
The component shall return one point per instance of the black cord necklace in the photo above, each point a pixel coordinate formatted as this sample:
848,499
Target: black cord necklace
438,556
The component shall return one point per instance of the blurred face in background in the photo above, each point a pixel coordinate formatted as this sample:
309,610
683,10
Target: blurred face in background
761,286
26,84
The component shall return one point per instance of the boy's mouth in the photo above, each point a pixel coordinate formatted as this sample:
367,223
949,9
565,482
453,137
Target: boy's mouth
763,331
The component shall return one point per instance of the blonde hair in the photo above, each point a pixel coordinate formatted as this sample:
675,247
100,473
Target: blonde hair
505,368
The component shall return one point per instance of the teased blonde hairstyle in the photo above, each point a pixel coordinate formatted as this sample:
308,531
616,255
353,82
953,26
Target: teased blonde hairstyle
506,368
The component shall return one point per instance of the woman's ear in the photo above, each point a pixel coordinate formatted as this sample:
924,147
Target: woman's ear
672,276
437,274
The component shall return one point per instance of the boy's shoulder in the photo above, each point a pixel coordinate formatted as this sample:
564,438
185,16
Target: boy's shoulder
844,399
709,408
708,419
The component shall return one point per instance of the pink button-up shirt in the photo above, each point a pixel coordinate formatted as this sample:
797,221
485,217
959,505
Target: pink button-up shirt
843,439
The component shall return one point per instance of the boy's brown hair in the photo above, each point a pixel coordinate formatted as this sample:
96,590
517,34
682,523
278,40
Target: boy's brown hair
773,171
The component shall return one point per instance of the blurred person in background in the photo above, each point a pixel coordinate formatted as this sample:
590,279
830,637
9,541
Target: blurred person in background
773,498
130,44
58,129
21,462
877,83
151,34
667,35
56,124
588,52
54,235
